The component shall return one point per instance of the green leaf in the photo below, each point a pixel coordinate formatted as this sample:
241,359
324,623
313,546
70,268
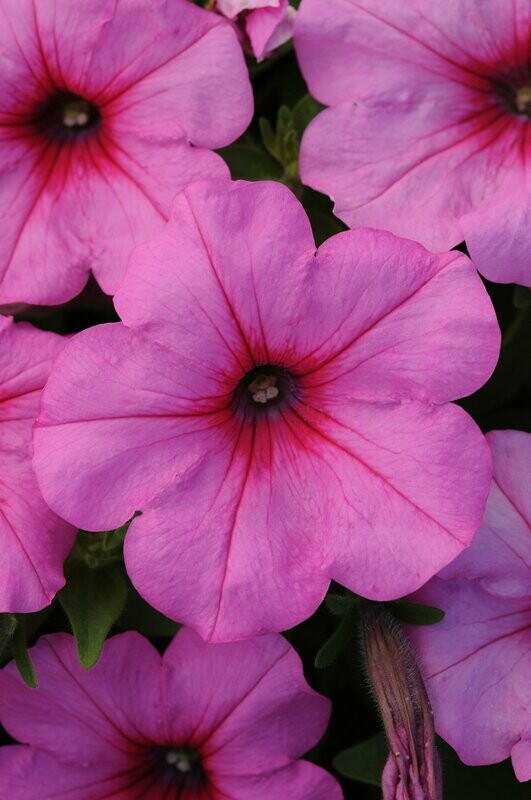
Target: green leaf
415,613
364,762
250,163
304,111
338,642
8,625
269,138
22,657
92,599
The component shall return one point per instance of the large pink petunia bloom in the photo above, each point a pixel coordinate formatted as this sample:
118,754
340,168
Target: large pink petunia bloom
107,109
430,131
478,659
278,415
34,542
202,722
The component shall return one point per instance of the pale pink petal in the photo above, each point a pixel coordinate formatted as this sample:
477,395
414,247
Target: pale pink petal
123,194
500,555
416,179
255,724
244,297
33,540
33,199
498,233
26,773
403,498
300,781
144,426
248,515
406,319
477,663
100,717
201,94
511,452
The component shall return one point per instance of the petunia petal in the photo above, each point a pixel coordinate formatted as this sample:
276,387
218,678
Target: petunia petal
498,233
120,445
398,322
403,498
480,655
101,717
241,296
23,769
255,724
300,781
250,526
34,541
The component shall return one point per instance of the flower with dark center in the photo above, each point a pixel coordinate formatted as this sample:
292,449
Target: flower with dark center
429,130
279,415
202,722
107,109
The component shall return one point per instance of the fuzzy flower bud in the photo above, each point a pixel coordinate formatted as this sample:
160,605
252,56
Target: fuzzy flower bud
412,771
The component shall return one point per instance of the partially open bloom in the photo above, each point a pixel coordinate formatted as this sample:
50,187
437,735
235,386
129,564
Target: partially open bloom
265,24
34,542
202,722
478,659
278,415
412,770
107,109
430,131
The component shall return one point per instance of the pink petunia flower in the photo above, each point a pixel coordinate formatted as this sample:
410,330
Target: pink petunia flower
265,25
202,722
478,659
34,542
107,109
430,131
278,415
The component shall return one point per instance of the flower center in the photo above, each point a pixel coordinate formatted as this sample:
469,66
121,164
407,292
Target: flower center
522,100
67,116
180,767
182,759
264,388
513,90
